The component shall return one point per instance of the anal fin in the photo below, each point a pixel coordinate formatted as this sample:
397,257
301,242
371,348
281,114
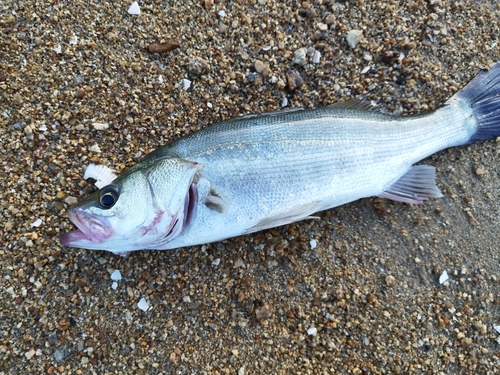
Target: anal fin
415,186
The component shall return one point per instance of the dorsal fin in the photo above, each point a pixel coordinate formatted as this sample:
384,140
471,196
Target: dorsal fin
358,103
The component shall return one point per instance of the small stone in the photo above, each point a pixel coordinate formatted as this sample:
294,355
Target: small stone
480,171
116,275
197,67
95,149
330,19
263,312
70,200
354,37
30,354
294,79
312,331
100,126
299,56
260,67
157,47
61,353
322,26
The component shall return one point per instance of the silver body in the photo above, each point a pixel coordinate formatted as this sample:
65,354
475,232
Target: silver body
274,169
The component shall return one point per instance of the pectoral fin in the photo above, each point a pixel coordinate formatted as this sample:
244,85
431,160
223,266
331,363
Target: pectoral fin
416,186
286,217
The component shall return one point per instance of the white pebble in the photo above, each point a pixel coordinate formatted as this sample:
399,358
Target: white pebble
354,37
216,262
497,328
160,79
222,13
36,223
312,331
73,40
365,69
443,278
43,128
313,244
114,285
100,125
57,49
284,102
95,149
70,200
134,9
116,275
316,57
209,105
143,305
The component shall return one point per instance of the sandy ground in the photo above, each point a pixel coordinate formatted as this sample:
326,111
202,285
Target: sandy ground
356,292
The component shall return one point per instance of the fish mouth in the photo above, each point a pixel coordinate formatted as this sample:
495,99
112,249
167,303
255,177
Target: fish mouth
90,229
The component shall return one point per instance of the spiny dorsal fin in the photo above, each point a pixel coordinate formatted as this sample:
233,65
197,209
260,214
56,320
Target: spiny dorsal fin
358,103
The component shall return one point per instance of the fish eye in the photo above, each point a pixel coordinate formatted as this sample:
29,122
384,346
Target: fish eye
108,196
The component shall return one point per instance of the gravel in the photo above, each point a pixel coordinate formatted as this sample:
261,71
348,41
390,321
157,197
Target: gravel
357,291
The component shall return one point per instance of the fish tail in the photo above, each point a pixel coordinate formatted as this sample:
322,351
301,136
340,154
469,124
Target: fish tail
483,95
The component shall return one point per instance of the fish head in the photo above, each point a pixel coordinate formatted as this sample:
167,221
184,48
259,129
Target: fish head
145,208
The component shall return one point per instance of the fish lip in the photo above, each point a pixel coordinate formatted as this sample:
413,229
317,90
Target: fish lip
89,229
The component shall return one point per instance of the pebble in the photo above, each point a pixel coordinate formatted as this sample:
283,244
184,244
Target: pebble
116,275
61,353
70,200
95,148
312,331
294,79
261,68
198,67
100,126
354,37
300,56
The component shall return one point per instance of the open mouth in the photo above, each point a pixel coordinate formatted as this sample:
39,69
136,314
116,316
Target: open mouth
89,229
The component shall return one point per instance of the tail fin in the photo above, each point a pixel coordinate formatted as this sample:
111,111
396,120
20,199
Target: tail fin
483,94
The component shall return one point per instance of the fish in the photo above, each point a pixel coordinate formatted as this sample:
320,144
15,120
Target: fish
256,172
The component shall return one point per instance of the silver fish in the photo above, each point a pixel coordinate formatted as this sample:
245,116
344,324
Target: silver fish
256,172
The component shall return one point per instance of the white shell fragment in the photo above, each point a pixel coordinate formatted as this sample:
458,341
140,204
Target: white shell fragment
116,275
143,305
73,40
222,13
186,84
312,331
114,285
36,223
102,174
313,244
497,328
134,9
443,278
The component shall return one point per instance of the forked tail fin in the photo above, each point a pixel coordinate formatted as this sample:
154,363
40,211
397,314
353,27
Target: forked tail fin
483,94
